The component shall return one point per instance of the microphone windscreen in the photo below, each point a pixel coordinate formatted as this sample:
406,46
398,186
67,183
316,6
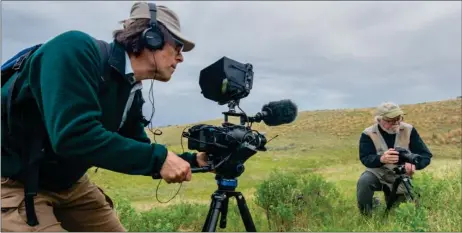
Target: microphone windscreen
280,112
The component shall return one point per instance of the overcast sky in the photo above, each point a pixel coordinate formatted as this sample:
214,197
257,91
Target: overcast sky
322,55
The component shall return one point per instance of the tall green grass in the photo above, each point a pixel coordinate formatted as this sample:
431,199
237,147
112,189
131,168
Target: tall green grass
288,201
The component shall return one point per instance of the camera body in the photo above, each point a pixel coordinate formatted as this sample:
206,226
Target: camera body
405,156
214,139
228,147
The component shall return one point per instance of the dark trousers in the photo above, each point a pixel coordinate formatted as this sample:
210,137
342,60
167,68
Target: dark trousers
367,184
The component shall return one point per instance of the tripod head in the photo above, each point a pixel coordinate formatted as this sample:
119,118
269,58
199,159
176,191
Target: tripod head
400,169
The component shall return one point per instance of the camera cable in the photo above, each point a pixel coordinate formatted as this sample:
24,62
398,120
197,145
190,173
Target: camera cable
181,183
150,125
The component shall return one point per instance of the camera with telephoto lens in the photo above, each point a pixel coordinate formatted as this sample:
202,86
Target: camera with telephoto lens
405,156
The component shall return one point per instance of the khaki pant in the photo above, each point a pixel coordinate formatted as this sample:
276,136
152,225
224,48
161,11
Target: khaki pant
83,208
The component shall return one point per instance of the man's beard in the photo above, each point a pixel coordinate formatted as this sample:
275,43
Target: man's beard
392,130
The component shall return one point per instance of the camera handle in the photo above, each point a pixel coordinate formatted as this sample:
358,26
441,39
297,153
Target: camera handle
400,170
219,205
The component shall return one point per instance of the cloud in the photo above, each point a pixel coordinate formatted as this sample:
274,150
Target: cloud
319,54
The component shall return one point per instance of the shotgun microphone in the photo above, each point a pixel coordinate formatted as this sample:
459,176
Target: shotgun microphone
277,113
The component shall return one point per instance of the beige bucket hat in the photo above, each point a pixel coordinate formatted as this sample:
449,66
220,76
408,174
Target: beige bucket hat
140,10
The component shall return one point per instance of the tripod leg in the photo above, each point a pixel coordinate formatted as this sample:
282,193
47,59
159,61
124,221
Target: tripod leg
245,213
212,219
392,197
209,215
224,212
408,186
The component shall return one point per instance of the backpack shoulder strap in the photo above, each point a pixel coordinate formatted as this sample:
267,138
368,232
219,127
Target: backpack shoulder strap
105,50
14,64
12,71
30,161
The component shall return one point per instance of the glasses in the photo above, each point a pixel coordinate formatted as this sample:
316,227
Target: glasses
178,45
392,120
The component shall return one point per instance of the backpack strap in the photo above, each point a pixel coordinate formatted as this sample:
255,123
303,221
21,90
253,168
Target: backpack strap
32,157
15,63
104,49
9,99
30,161
32,172
14,73
35,140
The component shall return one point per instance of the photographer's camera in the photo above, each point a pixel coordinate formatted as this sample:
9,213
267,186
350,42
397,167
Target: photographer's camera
405,156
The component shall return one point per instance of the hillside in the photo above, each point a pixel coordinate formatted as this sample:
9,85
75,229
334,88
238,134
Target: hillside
318,142
438,123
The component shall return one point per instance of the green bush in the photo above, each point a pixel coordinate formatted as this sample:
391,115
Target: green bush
408,217
291,201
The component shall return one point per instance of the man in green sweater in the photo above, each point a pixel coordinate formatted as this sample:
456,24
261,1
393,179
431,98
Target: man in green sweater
90,112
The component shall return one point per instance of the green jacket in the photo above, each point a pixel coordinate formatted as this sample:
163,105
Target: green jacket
82,116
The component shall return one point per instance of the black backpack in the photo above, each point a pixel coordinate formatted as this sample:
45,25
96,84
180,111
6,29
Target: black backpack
32,157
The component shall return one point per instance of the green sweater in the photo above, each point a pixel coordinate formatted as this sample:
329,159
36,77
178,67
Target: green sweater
81,116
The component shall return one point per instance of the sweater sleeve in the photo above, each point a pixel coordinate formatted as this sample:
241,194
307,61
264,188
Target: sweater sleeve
191,158
367,152
418,146
67,71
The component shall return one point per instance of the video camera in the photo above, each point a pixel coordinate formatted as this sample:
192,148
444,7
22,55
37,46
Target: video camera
229,146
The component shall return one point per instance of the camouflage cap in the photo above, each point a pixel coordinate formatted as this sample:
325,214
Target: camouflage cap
389,110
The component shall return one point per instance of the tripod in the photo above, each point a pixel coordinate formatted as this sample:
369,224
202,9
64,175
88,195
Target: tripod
402,178
219,205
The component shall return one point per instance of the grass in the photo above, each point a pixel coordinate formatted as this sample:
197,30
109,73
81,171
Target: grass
316,158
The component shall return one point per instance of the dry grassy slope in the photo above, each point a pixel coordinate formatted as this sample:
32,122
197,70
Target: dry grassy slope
323,141
439,123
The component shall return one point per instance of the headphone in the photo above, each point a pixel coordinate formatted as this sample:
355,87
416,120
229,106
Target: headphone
152,37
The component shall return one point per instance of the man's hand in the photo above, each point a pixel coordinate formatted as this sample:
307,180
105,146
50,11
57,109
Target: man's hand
410,168
390,156
175,169
201,158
